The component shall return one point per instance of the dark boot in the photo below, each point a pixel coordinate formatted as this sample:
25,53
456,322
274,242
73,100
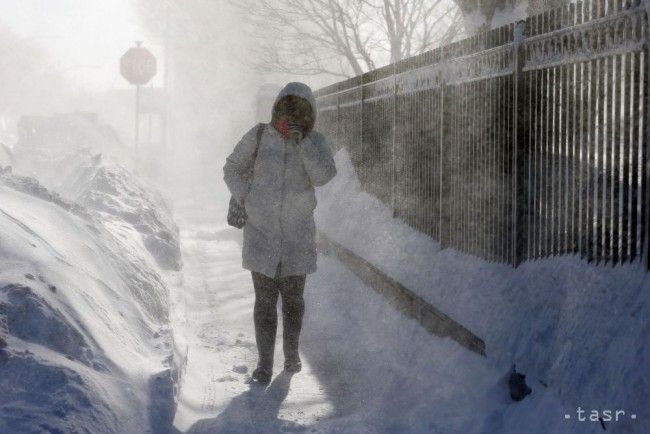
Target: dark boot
266,323
293,308
262,375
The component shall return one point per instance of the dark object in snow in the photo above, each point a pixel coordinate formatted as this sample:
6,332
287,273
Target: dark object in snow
518,387
236,212
240,369
29,276
602,423
4,327
262,375
52,288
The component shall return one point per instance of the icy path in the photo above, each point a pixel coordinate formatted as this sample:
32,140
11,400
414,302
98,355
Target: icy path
214,317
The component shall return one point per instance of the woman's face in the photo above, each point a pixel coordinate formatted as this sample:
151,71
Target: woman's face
296,110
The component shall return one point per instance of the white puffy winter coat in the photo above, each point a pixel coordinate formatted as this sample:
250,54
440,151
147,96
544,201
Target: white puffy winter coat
280,199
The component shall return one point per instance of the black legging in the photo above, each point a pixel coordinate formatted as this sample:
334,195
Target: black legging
265,315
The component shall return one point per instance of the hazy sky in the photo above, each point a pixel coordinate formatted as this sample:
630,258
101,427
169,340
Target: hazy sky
83,38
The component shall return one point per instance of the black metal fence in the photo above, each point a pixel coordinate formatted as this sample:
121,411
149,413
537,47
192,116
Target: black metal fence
526,141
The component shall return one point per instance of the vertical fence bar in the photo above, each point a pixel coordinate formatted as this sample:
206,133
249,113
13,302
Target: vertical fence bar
534,197
600,147
460,147
557,153
422,162
575,145
565,158
546,164
556,171
591,158
445,191
626,143
583,156
465,165
645,146
572,160
453,145
495,192
635,157
616,159
607,157
484,153
580,133
536,80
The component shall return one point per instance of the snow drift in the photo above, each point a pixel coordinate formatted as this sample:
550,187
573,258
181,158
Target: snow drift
577,330
101,184
86,308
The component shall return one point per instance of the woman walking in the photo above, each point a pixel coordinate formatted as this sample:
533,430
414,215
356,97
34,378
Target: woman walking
288,159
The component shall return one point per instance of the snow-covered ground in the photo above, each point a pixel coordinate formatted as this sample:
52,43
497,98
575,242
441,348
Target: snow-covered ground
214,308
102,322
368,369
90,347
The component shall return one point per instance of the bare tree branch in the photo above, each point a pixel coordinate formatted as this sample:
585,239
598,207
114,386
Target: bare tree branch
334,37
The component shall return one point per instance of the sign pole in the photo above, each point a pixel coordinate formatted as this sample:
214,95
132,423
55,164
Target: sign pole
138,67
137,119
149,120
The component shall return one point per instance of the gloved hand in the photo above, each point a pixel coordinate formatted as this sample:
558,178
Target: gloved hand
296,131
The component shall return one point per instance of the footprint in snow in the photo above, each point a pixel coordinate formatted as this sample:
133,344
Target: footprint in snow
240,369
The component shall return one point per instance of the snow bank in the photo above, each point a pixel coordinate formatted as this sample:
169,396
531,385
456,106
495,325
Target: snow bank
87,315
385,374
578,328
99,184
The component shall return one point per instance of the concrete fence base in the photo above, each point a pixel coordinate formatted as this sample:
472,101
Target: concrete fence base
403,299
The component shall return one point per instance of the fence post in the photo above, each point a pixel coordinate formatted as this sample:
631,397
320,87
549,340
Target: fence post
520,148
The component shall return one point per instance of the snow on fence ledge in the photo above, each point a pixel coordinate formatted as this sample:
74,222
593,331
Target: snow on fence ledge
401,298
526,141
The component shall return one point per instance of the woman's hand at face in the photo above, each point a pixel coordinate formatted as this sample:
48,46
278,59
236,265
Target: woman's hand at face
296,131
